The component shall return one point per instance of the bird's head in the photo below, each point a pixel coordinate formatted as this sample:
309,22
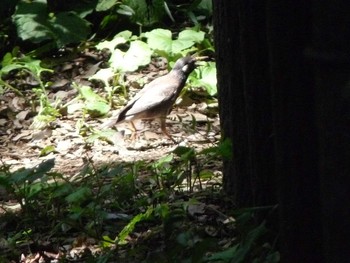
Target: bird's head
186,64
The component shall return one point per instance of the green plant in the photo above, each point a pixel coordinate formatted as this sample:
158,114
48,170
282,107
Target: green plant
252,245
130,52
28,185
70,204
144,13
163,44
137,54
95,105
139,211
22,65
55,24
205,76
197,10
112,81
35,23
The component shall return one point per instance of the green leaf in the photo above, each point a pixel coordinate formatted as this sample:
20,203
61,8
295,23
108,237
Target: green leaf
89,94
206,174
29,29
224,256
11,67
34,66
180,44
191,35
6,183
47,150
81,194
209,79
107,242
62,190
34,189
95,104
185,153
143,13
165,160
137,55
159,39
120,38
206,5
205,76
126,34
30,19
68,27
97,108
7,59
41,121
131,225
34,23
185,239
104,5
105,134
162,210
43,168
246,245
125,10
225,148
240,252
33,174
20,175
104,75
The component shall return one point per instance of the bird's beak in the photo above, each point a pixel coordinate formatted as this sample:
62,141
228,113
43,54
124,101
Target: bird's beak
198,59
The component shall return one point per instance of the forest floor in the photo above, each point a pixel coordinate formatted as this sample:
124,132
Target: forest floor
192,123
23,146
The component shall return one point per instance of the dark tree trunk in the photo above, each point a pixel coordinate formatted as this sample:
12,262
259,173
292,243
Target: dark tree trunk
295,131
245,100
330,54
284,94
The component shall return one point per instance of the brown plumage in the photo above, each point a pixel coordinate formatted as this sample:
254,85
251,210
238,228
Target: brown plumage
157,97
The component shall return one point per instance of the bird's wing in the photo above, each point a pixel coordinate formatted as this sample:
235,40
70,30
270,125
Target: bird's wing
152,95
159,91
146,89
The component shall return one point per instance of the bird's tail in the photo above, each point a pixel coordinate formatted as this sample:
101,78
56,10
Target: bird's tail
110,122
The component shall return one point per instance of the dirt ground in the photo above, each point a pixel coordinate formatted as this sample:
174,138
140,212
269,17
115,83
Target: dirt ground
22,147
71,135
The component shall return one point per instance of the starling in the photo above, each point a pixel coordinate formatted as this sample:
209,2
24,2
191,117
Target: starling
156,98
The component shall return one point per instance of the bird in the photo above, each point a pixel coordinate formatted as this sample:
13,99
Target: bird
155,99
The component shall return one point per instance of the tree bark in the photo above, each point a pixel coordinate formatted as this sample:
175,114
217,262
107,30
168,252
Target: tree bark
330,55
284,98
295,131
244,99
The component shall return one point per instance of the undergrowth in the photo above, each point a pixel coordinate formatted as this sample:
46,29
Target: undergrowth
168,210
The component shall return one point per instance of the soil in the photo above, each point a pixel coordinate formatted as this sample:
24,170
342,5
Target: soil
71,138
75,139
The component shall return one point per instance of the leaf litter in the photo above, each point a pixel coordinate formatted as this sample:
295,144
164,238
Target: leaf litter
21,146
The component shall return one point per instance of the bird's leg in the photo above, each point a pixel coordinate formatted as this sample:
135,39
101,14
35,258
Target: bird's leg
163,128
134,131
